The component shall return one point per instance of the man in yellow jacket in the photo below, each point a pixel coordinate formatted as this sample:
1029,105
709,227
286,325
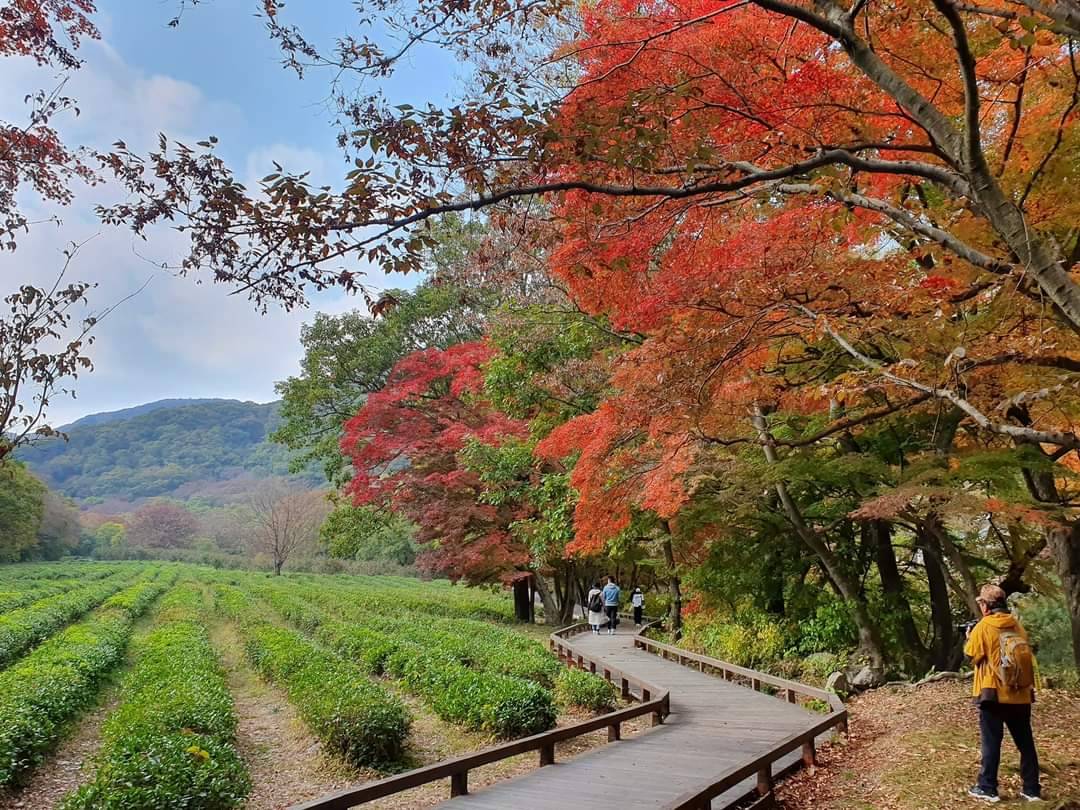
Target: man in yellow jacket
1004,689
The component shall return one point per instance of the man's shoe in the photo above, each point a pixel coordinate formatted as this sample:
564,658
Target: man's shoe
983,795
1030,797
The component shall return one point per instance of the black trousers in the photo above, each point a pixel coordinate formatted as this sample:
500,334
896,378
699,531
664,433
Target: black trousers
993,719
637,614
612,612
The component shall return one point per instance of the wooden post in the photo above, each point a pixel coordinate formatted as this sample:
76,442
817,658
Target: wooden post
581,661
547,754
658,718
614,732
646,695
809,753
607,674
791,696
592,667
764,781
625,689
459,784
755,684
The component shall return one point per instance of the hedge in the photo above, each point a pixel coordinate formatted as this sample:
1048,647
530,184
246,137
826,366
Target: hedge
170,744
23,628
43,691
584,690
355,717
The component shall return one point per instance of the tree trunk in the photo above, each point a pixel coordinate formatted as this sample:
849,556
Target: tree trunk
522,611
552,614
674,590
941,651
773,576
869,637
892,584
1066,545
277,567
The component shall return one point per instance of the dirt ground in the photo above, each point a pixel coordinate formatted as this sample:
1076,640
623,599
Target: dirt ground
917,748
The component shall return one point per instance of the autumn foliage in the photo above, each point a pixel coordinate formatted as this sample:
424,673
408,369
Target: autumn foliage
404,445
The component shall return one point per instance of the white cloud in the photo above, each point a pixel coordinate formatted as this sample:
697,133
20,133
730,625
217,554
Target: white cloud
178,338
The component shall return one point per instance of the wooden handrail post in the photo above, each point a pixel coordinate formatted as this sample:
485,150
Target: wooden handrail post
607,674
764,780
646,695
755,684
547,755
791,696
614,732
625,689
592,667
809,753
459,784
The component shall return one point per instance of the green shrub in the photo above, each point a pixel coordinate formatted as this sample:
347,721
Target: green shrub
45,689
356,718
485,701
1047,622
830,629
583,690
170,742
750,640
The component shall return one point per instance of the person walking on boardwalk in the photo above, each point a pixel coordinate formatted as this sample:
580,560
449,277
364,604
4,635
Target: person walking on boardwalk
594,604
1004,689
637,599
612,593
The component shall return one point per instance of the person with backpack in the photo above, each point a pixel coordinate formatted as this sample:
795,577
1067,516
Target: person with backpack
612,592
1004,689
637,599
594,602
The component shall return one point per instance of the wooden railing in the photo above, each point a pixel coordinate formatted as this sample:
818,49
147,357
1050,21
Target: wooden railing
652,700
763,766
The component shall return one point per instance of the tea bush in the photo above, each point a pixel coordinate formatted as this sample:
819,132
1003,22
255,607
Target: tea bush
23,628
584,690
358,719
50,685
429,663
170,742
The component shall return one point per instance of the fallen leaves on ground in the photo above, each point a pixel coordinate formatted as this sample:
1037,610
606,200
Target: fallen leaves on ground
917,748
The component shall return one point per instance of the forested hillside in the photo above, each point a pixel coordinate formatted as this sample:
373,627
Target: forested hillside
182,449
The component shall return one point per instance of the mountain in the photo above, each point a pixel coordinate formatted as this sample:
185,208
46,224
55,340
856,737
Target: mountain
138,410
215,450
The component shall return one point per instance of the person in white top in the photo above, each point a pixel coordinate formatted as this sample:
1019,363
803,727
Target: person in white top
637,599
594,604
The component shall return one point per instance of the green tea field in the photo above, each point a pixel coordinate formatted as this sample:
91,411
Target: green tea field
137,685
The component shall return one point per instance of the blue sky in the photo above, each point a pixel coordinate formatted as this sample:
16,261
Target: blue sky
218,73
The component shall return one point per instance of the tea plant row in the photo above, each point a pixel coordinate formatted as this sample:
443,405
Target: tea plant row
171,741
44,690
23,628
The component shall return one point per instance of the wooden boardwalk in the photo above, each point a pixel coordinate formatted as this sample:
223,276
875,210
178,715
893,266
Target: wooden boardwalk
713,726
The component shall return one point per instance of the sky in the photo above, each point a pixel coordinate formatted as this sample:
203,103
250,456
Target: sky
216,74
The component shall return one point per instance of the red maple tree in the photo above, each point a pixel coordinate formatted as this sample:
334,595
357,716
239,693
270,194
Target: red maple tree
404,446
